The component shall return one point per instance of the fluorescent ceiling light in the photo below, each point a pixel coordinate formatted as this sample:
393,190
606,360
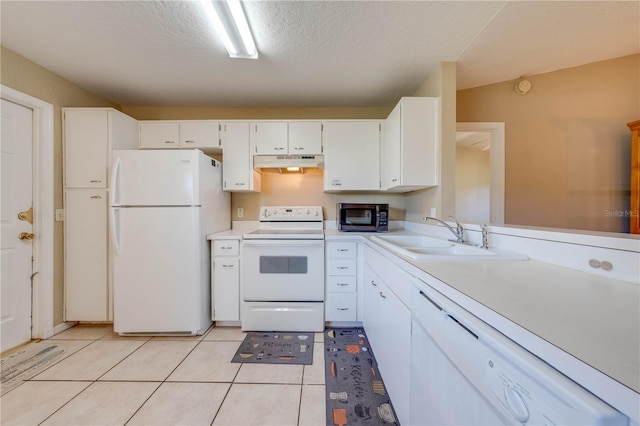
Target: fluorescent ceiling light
230,23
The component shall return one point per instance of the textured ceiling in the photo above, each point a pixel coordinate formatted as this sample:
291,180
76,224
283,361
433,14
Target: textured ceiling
312,53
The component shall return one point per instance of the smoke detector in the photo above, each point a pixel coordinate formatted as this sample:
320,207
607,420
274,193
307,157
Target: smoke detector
522,87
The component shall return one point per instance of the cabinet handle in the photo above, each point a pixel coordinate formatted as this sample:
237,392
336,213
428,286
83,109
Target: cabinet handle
373,283
394,180
429,299
278,148
227,266
169,141
382,295
95,197
342,284
336,184
95,181
343,309
342,268
343,250
299,148
189,142
227,248
240,184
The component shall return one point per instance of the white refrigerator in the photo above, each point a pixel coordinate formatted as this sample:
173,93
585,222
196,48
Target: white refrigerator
163,203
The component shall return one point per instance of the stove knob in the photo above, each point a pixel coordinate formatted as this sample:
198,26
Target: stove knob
315,213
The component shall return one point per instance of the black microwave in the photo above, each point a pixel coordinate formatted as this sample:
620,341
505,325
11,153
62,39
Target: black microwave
362,217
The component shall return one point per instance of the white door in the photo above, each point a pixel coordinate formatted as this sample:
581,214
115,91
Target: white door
16,253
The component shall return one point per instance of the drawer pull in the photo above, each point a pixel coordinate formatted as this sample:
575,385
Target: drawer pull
95,197
343,268
382,295
227,266
373,283
343,309
95,181
169,142
343,284
189,141
343,250
227,248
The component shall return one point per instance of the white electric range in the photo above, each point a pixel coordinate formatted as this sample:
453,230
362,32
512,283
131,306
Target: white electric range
282,275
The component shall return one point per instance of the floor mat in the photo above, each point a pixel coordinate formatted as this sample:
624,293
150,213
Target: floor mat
275,348
31,360
355,391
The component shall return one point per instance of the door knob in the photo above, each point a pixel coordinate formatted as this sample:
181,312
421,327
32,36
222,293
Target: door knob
26,215
26,236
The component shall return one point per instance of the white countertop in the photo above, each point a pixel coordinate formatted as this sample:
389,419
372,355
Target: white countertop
585,325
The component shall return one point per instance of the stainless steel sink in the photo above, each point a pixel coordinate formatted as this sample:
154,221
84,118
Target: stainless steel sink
428,248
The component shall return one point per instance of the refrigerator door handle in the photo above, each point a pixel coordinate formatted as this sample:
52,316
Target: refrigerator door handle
113,189
114,229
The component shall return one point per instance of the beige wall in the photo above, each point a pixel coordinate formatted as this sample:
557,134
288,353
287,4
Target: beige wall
472,185
567,143
25,76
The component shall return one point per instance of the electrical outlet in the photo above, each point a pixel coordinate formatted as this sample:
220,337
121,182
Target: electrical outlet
59,215
240,212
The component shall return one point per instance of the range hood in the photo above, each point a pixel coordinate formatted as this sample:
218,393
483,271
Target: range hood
288,161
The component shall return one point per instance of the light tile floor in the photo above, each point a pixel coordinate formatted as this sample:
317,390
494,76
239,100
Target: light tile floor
118,380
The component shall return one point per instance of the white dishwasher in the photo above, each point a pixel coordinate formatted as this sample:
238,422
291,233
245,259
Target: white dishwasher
464,372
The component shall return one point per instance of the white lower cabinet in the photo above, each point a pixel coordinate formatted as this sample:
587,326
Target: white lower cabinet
86,260
341,281
387,321
225,289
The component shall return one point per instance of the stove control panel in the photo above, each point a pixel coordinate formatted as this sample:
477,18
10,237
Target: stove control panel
291,214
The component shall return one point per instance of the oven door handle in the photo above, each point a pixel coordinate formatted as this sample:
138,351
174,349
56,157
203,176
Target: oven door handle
282,242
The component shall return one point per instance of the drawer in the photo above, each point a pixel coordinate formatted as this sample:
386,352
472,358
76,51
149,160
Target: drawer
341,250
226,247
341,284
341,266
341,307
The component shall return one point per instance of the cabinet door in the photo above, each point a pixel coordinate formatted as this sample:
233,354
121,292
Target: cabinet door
159,135
344,143
305,137
86,270
390,150
269,138
199,134
410,145
226,289
394,354
370,319
237,170
86,148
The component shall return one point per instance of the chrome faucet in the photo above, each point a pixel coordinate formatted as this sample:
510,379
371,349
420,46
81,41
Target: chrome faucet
458,231
485,236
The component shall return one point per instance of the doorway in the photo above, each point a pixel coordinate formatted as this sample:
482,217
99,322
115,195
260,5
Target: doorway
41,290
480,168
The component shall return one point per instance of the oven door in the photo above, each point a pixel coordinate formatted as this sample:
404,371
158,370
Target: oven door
283,270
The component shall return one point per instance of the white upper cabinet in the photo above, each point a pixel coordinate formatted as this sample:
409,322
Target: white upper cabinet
89,136
409,147
305,137
352,155
237,167
202,134
283,138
